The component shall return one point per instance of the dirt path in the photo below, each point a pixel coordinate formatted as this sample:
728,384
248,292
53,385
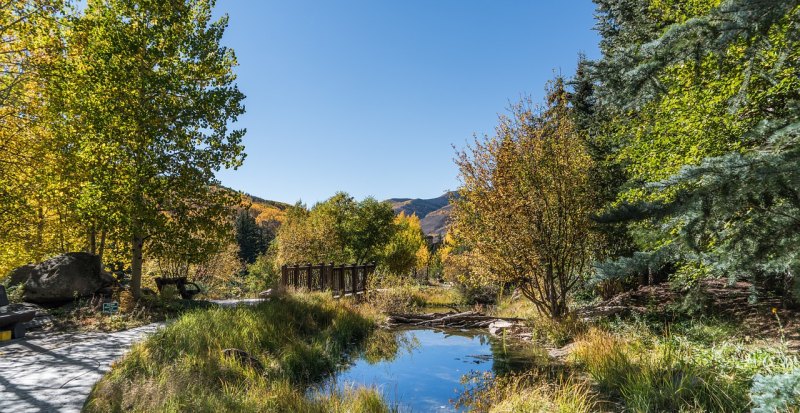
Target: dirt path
55,373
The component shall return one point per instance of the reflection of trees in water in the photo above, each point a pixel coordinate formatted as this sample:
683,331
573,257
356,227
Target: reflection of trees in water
511,356
386,345
507,355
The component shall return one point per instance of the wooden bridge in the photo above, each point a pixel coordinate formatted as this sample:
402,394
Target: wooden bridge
341,280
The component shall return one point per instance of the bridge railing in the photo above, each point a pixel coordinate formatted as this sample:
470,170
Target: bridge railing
341,280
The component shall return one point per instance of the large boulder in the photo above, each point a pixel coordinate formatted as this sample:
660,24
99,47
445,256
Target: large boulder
20,275
65,277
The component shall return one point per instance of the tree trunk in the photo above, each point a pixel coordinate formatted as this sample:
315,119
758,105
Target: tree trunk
136,264
92,240
102,247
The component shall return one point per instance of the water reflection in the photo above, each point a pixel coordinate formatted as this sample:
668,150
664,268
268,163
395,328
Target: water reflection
420,370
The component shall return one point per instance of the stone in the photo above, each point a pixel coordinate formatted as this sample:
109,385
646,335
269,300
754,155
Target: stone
20,275
244,358
497,327
148,292
66,277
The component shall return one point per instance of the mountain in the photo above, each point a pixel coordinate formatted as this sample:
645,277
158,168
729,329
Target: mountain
433,213
264,210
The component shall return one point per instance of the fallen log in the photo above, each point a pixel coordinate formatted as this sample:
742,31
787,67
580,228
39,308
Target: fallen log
468,319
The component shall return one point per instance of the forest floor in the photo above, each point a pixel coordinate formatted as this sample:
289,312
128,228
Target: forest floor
765,318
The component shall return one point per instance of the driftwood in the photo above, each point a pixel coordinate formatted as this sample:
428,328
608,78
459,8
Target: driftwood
468,319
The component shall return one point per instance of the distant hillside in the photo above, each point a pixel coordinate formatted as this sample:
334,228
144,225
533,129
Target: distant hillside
433,213
265,210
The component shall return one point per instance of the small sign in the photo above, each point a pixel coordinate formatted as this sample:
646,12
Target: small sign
111,308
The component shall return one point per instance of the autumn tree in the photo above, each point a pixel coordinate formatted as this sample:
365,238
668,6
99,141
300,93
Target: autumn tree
32,209
339,229
522,215
407,249
153,97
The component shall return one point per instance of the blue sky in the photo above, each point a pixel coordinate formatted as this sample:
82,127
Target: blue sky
369,96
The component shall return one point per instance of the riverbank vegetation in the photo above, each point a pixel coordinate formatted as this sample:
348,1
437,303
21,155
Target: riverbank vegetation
247,359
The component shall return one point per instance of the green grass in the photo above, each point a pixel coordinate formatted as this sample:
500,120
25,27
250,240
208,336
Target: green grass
532,392
689,369
297,340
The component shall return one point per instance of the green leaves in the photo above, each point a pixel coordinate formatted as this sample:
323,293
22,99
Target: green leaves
339,229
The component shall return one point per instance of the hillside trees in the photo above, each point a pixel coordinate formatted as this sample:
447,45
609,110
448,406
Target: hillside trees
151,97
524,204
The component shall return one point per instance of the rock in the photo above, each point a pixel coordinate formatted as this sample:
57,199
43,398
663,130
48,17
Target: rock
561,353
20,275
41,321
148,292
266,294
243,358
65,277
497,327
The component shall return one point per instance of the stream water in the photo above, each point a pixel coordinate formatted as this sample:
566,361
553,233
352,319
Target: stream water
424,374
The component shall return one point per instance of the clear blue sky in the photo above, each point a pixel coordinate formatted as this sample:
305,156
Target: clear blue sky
368,96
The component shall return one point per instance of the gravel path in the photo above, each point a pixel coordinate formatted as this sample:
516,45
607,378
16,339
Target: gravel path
56,373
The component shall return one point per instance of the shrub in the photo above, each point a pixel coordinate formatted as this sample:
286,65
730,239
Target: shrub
776,393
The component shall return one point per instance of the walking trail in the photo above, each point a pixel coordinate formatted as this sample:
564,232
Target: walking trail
55,373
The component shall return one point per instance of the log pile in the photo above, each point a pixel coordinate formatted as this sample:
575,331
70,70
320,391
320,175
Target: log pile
467,319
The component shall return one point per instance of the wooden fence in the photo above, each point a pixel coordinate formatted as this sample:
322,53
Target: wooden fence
341,280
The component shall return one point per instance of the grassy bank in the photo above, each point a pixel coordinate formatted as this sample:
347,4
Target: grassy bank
695,365
289,343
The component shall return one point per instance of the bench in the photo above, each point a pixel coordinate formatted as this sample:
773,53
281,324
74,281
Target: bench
181,283
11,320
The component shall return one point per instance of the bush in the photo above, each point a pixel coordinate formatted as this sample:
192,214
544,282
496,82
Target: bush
262,274
479,294
776,393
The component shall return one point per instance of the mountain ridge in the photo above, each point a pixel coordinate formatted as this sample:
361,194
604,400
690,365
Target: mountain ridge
433,213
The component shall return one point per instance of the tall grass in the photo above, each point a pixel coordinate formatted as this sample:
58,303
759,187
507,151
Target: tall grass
527,392
671,373
295,340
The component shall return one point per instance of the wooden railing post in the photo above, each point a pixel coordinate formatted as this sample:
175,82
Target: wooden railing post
342,286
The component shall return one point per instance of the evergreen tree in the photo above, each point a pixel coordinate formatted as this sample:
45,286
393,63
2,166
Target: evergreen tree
253,239
734,209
